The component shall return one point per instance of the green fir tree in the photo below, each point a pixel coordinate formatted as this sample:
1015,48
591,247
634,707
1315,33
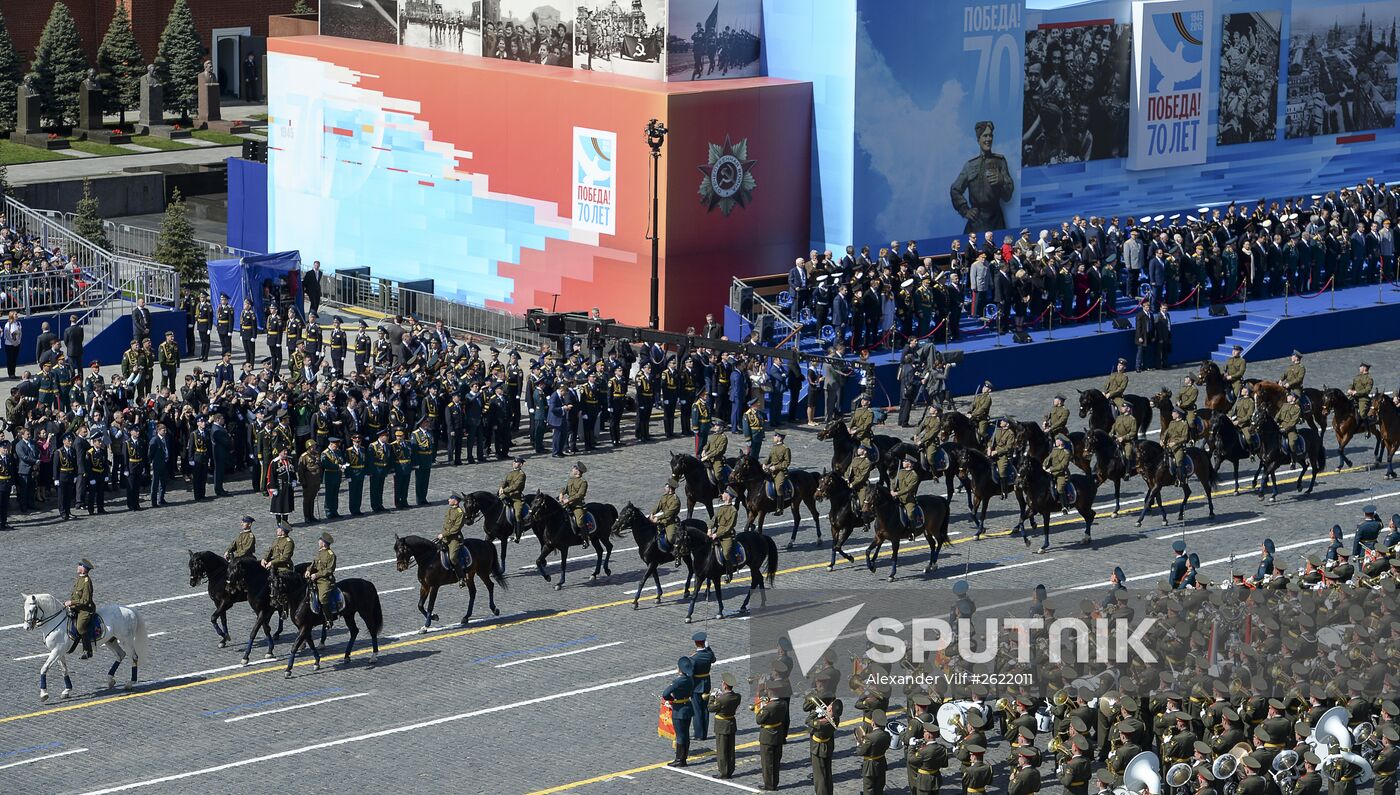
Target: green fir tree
9,77
180,59
177,248
119,64
59,67
303,7
88,220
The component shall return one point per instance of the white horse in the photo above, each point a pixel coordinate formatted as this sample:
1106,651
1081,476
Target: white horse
123,633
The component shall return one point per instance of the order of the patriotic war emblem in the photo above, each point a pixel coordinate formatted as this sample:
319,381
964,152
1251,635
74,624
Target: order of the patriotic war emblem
727,179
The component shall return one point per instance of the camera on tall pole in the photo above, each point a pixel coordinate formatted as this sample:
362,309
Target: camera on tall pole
655,137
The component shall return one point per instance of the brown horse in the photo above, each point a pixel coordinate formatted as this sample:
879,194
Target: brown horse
1385,420
1162,401
890,525
754,486
1270,395
1217,389
1035,491
1346,423
958,428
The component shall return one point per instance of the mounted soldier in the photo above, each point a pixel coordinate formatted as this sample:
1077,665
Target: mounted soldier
512,494
82,609
451,538
321,573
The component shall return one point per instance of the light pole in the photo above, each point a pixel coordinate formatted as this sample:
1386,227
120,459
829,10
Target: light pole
655,137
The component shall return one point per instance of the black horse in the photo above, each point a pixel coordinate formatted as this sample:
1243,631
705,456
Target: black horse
890,525
1226,443
1155,466
644,531
698,486
1106,463
979,480
760,556
753,486
1095,405
945,465
1035,491
844,515
1273,453
495,519
249,577
211,566
359,599
958,427
432,575
553,526
1031,439
843,449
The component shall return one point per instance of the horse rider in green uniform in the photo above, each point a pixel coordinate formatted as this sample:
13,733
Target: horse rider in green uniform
1057,467
1000,450
1362,385
1186,398
712,456
423,455
906,489
278,559
1057,421
1174,440
1125,433
723,705
753,427
858,472
981,412
1242,413
862,420
451,535
667,513
1234,370
779,460
245,544
927,437
81,608
512,493
1293,375
871,748
572,497
1288,417
722,526
321,573
1117,383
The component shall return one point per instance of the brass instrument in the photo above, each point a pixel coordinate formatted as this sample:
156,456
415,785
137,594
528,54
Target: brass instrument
1060,698
860,731
1059,748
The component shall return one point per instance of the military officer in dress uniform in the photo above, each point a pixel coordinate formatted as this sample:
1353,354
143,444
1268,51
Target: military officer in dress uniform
872,747
82,608
1074,773
771,716
723,704
1292,378
245,544
927,759
1025,780
702,659
321,573
821,732
1177,573
1368,533
1387,761
512,493
977,776
753,427
278,559
777,464
1117,383
575,492
424,452
679,694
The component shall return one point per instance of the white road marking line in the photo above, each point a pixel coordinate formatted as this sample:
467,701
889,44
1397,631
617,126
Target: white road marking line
561,654
688,772
555,562
1368,499
1174,536
365,565
220,669
292,707
45,654
42,758
399,590
651,586
1035,562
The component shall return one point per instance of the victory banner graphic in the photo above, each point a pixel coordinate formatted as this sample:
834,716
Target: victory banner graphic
1169,84
595,169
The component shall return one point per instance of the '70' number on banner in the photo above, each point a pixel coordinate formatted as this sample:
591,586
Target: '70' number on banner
998,66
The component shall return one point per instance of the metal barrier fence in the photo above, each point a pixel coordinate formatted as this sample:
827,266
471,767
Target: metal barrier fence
140,241
389,297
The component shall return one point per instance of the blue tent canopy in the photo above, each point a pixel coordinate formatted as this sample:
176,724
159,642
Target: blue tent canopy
260,277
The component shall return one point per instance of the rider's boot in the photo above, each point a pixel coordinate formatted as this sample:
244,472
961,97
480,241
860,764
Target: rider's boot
87,648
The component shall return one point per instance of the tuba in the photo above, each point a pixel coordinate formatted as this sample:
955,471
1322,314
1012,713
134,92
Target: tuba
1225,765
896,729
1142,773
1331,732
1334,767
1178,776
1365,741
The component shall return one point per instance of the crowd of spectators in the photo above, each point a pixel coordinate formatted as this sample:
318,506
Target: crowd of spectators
34,278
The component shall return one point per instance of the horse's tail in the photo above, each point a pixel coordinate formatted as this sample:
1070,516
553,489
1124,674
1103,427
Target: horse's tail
498,570
139,637
771,548
370,609
943,525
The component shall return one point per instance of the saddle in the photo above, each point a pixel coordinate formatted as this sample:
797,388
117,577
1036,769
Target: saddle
773,493
1186,470
724,472
1299,448
1010,474
464,556
589,524
1070,496
1304,402
1198,426
872,452
96,629
337,601
736,558
940,460
916,520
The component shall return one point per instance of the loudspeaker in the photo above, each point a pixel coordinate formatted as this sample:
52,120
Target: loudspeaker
741,298
255,151
1218,310
1121,323
762,324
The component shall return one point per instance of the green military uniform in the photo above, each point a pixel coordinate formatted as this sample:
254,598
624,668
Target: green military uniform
753,426
245,544
723,706
279,555
83,608
423,455
862,419
1186,399
1024,781
1002,446
1362,385
930,429
1242,413
772,720
512,493
976,778
981,413
1115,387
722,525
872,749
667,516
402,450
1057,421
1292,379
1385,765
1174,440
1288,417
1057,467
779,459
927,761
452,523
1074,775
713,456
169,354
322,572
1234,372
380,457
356,459
821,734
1124,432
858,474
575,490
906,490
331,460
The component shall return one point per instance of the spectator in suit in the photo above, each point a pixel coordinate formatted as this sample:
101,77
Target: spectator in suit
711,330
1157,275
73,341
841,312
394,331
558,418
1142,332
1003,293
141,321
223,454
27,456
834,375
799,286
44,341
1162,335
311,286
158,454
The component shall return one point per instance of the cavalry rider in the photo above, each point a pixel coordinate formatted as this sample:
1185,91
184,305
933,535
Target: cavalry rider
1174,440
668,512
1242,413
981,411
906,489
753,427
1124,433
858,472
574,493
1186,399
1057,467
245,544
1057,421
779,460
512,494
451,535
722,526
321,573
278,559
82,608
1234,370
930,429
712,456
1002,446
1117,383
1362,385
1288,417
862,420
1293,375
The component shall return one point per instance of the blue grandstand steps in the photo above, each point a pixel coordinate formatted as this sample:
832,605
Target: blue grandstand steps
1249,331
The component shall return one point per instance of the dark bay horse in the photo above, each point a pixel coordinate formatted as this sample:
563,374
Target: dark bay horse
1346,423
1154,465
843,445
1095,405
495,519
752,484
945,465
1227,443
844,516
959,428
698,486
1106,463
1035,491
359,599
432,575
1031,439
644,531
890,525
212,567
1213,383
1270,395
1273,453
1163,402
760,557
1385,422
554,528
249,577
979,480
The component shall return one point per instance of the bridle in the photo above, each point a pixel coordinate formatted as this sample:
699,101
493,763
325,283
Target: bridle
35,622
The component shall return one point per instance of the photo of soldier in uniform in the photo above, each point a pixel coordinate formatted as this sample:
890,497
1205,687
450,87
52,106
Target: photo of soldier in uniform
450,25
714,39
1076,95
983,185
366,20
1341,70
626,37
1249,50
528,31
